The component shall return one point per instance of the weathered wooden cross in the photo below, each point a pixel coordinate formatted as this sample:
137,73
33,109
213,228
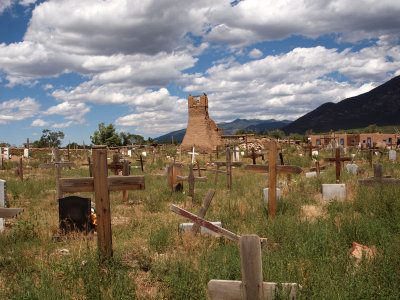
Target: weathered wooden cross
252,286
228,164
318,168
309,147
254,155
338,161
273,170
379,178
191,179
173,171
101,185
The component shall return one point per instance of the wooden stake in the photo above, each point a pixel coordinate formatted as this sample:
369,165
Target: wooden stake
272,180
203,209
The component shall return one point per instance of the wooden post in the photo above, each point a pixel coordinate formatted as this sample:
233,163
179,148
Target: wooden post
203,209
337,159
198,168
101,192
20,169
90,166
58,176
317,169
272,180
252,278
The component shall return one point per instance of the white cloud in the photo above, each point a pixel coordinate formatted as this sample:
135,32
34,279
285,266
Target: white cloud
40,123
255,53
5,4
17,110
47,86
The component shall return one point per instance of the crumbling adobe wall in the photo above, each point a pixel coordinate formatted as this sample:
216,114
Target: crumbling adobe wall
201,130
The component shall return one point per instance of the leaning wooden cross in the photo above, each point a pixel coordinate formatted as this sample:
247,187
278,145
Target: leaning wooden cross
101,185
338,161
228,164
191,179
379,178
273,170
252,286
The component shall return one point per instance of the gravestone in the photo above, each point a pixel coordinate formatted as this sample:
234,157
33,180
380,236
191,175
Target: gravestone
333,191
314,153
6,154
74,213
392,155
312,174
144,153
3,200
266,199
352,168
26,153
130,153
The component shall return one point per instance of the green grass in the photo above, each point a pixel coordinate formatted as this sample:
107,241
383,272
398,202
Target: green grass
153,260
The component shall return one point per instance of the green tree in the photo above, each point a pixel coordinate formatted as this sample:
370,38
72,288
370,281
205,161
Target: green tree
371,128
277,134
129,138
49,139
106,136
240,131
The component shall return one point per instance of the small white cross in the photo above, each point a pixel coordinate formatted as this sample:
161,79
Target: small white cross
193,153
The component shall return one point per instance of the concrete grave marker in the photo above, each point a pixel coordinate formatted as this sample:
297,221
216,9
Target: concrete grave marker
203,230
314,153
352,168
6,153
74,213
130,153
266,192
3,200
26,153
334,191
392,155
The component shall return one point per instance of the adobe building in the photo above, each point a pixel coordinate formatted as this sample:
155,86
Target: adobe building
354,140
201,129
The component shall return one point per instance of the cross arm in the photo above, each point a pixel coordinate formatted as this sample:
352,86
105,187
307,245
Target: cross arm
280,169
10,212
372,181
186,178
233,164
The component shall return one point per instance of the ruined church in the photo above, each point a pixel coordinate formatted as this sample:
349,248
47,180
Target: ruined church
201,129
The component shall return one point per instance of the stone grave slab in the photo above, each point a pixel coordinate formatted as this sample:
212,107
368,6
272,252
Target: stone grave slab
266,199
3,200
312,174
6,153
74,213
26,153
334,191
392,155
188,227
351,168
130,153
314,153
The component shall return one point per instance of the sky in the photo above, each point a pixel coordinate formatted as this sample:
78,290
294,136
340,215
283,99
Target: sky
68,65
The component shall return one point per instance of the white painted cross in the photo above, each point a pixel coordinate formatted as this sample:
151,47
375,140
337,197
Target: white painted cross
193,153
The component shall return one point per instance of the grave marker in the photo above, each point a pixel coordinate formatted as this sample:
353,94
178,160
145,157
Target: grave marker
173,171
252,286
74,213
191,179
254,155
338,161
193,153
228,164
273,170
333,191
392,155
101,185
378,178
3,199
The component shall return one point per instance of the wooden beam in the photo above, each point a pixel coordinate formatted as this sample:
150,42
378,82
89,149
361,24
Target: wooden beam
272,180
203,209
280,169
222,231
8,213
252,277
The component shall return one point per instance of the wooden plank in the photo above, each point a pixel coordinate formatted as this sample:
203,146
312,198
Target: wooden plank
124,183
252,278
232,290
10,212
126,170
222,231
382,181
51,165
233,163
279,169
272,180
228,169
203,209
103,213
76,185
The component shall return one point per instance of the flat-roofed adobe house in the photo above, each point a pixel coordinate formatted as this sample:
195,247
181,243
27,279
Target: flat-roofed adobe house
354,140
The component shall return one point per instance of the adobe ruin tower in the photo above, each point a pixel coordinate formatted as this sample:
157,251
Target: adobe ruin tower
201,130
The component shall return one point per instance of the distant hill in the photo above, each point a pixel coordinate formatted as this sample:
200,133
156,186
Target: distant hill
379,106
231,127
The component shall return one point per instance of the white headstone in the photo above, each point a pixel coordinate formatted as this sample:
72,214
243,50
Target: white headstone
3,200
334,191
311,174
242,153
314,153
6,153
237,153
392,155
130,153
203,230
352,168
266,200
144,154
26,153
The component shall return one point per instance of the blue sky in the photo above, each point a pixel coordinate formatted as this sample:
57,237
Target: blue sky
70,64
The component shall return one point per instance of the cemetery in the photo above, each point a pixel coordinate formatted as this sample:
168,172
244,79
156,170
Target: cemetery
280,221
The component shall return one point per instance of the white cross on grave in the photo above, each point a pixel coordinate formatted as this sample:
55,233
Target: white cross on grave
193,153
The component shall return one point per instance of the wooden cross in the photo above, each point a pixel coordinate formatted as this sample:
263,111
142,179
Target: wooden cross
27,144
8,213
309,147
273,170
101,185
252,286
141,161
19,170
203,209
338,161
379,178
371,150
318,168
191,179
254,155
228,164
193,153
173,171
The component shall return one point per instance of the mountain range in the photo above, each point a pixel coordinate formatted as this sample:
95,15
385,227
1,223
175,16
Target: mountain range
380,106
255,125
